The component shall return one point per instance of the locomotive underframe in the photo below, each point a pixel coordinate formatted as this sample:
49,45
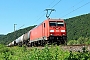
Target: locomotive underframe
58,40
51,40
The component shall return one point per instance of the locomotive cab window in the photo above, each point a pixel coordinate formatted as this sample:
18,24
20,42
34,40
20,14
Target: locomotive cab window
52,23
60,24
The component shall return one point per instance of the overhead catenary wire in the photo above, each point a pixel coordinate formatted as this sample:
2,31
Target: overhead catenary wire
72,6
51,3
76,4
51,7
42,12
40,17
47,6
21,27
56,3
75,9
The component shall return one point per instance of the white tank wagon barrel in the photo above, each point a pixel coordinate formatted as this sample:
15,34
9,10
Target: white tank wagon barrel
23,39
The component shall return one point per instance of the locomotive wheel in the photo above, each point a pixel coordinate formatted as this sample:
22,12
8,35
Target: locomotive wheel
38,43
32,44
20,44
35,43
28,44
58,42
43,43
46,42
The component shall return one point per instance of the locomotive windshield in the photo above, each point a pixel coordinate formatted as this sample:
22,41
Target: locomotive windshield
59,23
52,23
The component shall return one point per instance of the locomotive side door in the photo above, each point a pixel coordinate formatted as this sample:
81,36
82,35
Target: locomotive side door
43,33
43,30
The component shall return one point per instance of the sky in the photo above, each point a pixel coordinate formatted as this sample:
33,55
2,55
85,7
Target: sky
25,13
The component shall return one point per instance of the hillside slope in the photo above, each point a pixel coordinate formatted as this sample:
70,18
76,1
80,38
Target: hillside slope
14,35
78,26
1,35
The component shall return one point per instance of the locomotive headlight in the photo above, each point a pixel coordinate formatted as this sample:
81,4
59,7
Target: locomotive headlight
51,30
62,30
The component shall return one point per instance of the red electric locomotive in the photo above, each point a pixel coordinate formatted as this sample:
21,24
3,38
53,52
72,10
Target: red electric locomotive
49,31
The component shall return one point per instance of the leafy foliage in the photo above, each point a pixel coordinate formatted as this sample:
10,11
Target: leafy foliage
78,26
22,53
84,55
80,40
47,53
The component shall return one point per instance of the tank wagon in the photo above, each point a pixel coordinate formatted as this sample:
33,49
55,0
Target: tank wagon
23,39
49,31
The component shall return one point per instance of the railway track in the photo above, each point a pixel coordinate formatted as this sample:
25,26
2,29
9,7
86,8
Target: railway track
76,47
73,48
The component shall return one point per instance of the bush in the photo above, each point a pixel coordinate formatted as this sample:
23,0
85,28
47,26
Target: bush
72,42
81,40
47,53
